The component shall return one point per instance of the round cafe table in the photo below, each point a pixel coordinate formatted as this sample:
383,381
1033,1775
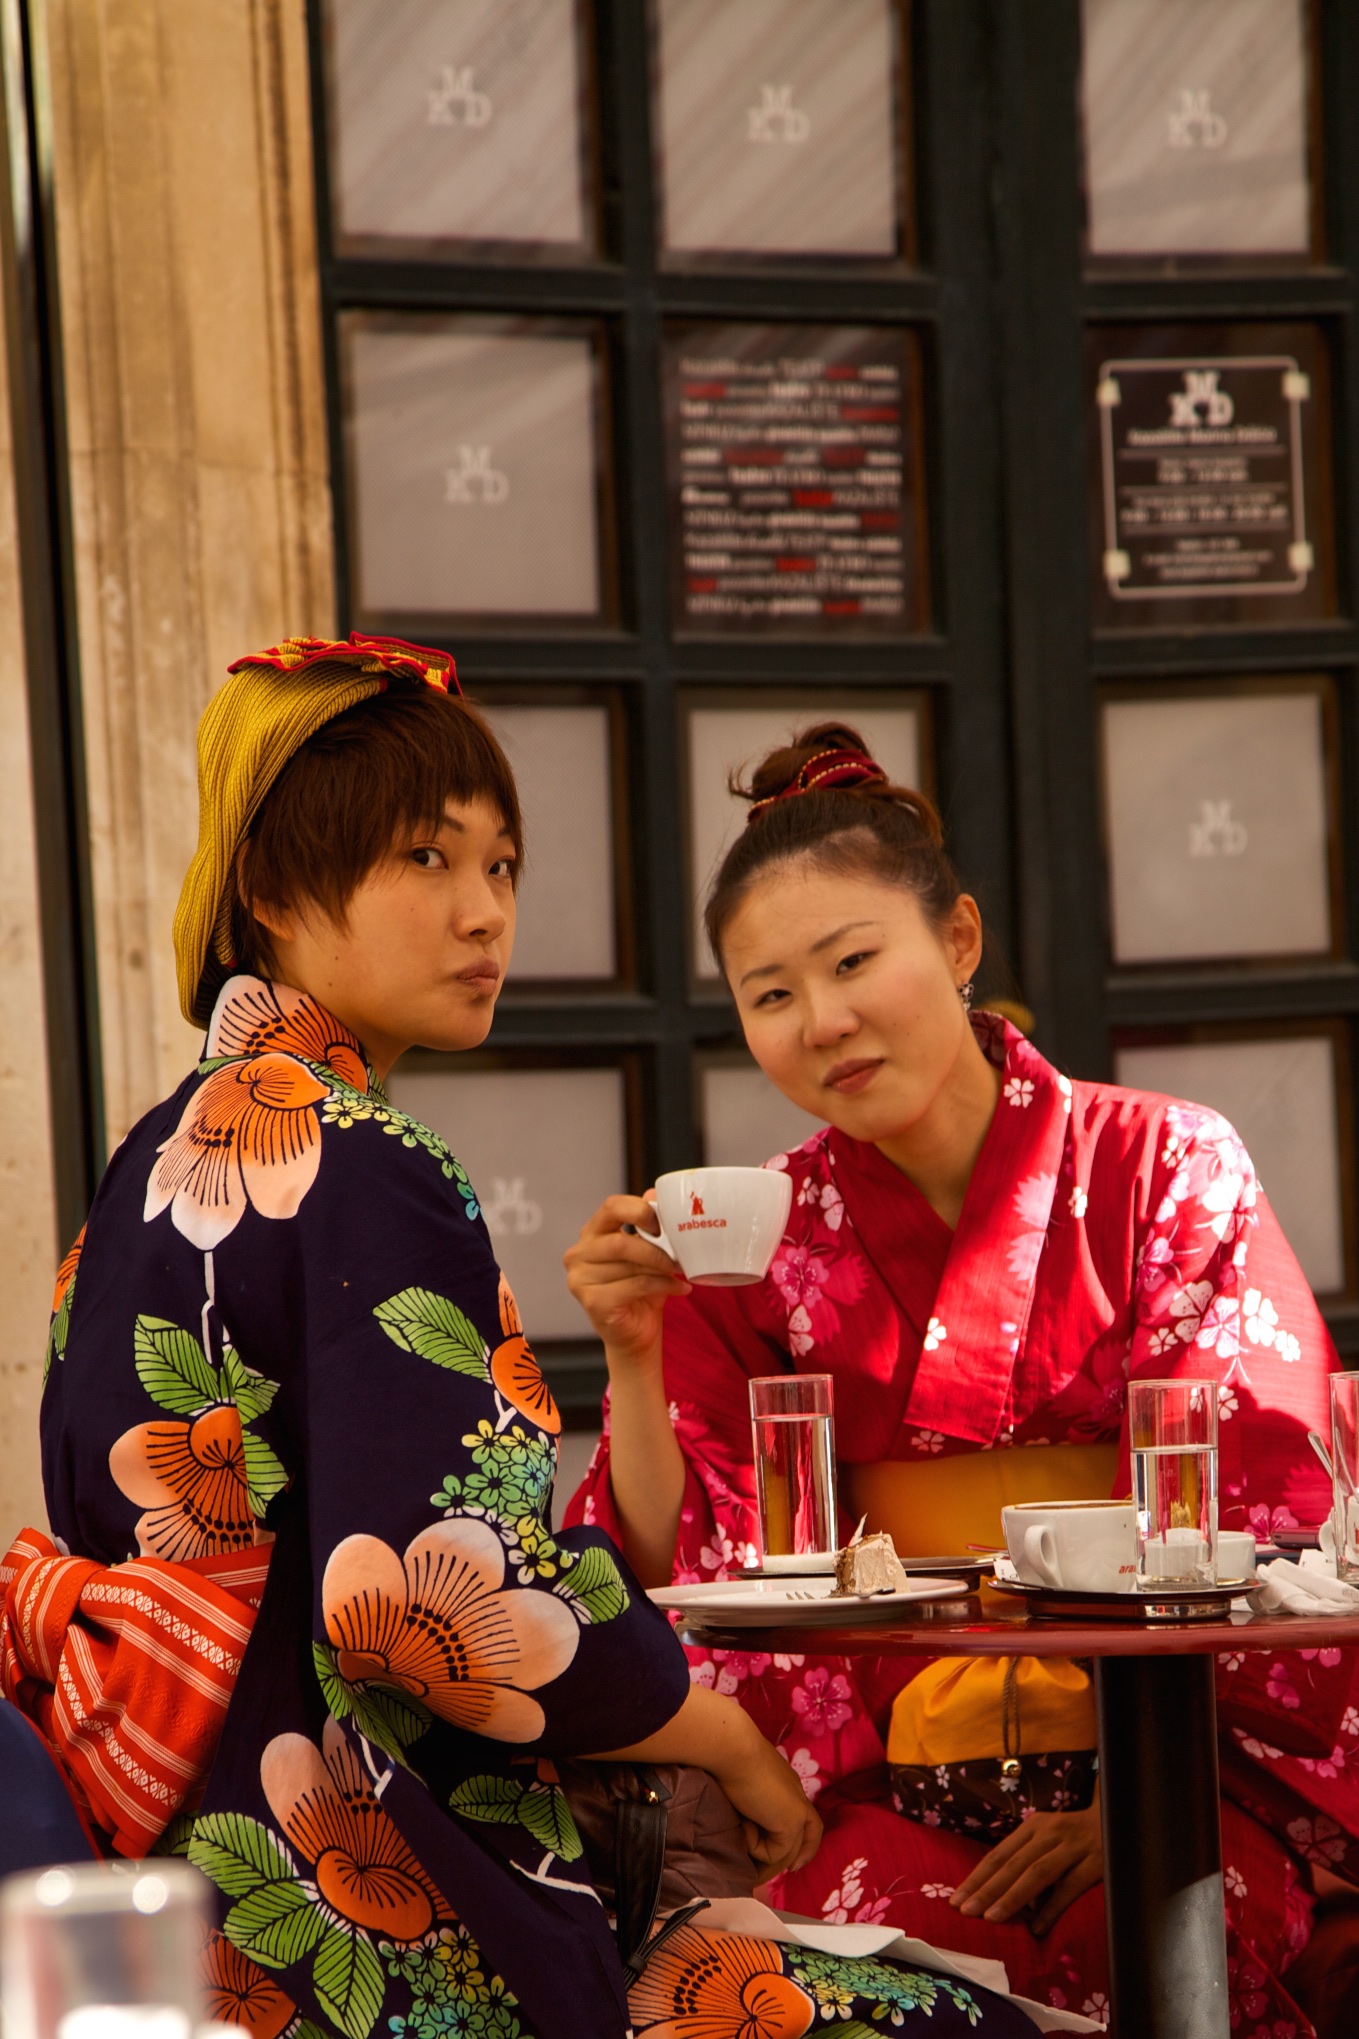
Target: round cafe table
1163,1895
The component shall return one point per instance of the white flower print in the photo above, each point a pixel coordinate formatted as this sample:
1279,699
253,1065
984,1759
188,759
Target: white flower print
807,1768
1350,1724
1261,1318
745,1556
1287,1347
1191,1301
1166,1340
1218,1331
1234,1880
788,1663
935,1334
927,1440
800,1339
1227,1404
1064,1085
1018,1091
937,1889
1097,2006
1233,1660
1078,1203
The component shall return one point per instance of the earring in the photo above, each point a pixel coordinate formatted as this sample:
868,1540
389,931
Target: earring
965,993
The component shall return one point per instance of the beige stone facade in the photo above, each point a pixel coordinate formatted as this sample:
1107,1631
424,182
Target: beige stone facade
183,178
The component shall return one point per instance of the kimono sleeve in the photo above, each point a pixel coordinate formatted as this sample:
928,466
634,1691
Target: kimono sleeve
1219,1295
429,1453
712,1348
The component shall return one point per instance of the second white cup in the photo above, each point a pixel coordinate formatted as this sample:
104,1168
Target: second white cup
723,1224
1075,1546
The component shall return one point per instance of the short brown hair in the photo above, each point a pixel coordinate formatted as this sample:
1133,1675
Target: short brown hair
875,830
383,767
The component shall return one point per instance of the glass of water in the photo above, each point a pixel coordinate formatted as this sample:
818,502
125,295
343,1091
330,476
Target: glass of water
1173,1432
103,1951
792,1416
1345,1472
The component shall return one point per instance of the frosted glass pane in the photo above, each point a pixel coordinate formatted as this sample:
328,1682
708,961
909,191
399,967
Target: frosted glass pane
457,119
543,1147
560,758
1196,127
746,1120
1217,827
777,129
473,470
1281,1097
723,740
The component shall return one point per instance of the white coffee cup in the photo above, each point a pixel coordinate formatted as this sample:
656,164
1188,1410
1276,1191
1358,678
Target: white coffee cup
723,1224
1074,1546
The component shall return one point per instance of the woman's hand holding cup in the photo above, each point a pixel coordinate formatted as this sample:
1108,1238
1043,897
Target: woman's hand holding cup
622,1279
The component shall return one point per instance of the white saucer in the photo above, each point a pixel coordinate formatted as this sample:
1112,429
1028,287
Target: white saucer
806,1602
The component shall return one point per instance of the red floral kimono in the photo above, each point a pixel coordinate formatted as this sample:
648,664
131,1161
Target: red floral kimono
1106,1235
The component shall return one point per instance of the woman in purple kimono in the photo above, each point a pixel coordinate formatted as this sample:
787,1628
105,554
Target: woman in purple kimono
303,1616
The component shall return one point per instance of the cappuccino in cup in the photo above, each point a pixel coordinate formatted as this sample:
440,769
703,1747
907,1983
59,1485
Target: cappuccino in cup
723,1224
1073,1546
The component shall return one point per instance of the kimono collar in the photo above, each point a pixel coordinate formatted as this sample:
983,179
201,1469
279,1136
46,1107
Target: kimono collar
981,1307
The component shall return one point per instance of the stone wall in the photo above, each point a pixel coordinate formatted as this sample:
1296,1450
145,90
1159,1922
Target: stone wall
183,175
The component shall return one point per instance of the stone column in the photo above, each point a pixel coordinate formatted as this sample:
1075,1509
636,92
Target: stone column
195,395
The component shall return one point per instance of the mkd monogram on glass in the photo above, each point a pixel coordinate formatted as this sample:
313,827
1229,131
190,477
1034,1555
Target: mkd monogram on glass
474,480
455,90
510,1208
776,119
1217,833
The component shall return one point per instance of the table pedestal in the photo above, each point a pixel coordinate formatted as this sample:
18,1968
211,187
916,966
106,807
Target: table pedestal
1162,1847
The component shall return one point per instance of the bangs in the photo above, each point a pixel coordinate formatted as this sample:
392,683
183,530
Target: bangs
381,772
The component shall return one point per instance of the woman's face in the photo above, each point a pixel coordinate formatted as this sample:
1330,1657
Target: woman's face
849,997
425,943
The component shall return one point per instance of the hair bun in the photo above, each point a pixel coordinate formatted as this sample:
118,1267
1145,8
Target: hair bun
777,772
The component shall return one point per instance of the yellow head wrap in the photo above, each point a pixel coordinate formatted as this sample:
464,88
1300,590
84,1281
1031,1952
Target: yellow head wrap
273,701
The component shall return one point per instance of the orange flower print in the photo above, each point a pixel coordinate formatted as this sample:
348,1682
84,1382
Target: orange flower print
236,1992
325,1803
517,1373
718,1986
191,1480
66,1273
250,1134
440,1625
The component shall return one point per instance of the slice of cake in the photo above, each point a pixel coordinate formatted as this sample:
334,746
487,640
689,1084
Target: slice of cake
869,1566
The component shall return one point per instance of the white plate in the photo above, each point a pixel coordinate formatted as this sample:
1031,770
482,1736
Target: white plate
809,1602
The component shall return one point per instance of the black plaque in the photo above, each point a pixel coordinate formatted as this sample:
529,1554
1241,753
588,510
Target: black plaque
795,480
1209,459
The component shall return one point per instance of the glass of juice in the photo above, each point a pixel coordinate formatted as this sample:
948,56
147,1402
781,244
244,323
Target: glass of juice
793,1421
1173,1432
1345,1472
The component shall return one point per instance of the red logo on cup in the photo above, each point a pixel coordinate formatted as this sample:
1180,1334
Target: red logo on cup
695,1205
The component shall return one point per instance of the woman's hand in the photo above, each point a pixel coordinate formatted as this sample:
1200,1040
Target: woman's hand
1061,1853
782,1826
621,1280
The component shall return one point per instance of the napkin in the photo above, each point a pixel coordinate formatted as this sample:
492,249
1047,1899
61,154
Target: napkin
747,1915
1287,1588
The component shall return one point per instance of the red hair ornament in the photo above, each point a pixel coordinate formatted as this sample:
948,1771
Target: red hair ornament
828,771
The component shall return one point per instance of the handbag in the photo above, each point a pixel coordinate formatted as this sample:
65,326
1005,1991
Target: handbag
657,1838
986,1795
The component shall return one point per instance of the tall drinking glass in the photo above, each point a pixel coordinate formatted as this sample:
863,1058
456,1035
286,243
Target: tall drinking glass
1173,1429
98,1951
792,1416
1345,1471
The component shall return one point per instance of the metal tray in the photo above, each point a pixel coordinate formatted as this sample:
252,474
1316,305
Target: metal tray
1170,1603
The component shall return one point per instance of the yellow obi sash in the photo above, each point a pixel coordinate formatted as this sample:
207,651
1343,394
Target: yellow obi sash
951,1712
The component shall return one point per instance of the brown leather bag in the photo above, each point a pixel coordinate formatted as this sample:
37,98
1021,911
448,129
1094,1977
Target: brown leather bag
657,1838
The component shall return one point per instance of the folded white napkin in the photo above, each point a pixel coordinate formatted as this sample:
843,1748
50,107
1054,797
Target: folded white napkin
1304,1588
748,1915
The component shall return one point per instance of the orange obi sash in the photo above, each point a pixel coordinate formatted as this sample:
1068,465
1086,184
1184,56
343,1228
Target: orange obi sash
127,1670
952,1710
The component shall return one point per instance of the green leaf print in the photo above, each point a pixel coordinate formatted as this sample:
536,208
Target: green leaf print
237,1853
544,1810
173,1367
493,1799
276,1925
597,1584
390,1720
265,1474
419,1321
348,1979
249,1390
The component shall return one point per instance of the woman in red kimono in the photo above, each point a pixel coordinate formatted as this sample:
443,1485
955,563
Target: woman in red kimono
982,1253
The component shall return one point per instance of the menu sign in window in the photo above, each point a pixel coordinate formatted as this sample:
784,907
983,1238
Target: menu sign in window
795,484
1209,473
